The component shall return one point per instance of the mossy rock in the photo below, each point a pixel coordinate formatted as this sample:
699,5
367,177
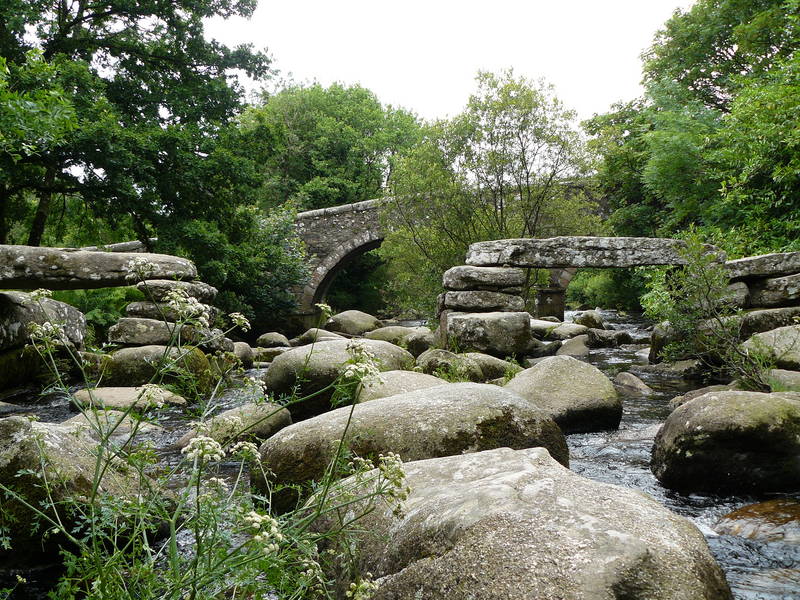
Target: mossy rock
448,419
137,366
731,442
21,366
32,453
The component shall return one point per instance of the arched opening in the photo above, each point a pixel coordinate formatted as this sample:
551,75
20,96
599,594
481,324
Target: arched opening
340,285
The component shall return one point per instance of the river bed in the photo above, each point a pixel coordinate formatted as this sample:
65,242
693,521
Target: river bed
756,570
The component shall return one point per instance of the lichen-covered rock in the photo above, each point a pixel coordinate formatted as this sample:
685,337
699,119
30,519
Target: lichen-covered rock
314,367
125,398
731,442
457,366
136,331
315,335
483,301
492,367
138,365
565,331
394,334
31,267
253,421
418,342
783,344
272,339
438,421
163,311
66,457
268,354
692,394
116,425
778,291
764,265
156,290
630,385
581,251
244,353
782,380
575,394
737,294
505,524
497,333
392,383
590,319
607,338
576,346
478,278
541,327
19,310
352,322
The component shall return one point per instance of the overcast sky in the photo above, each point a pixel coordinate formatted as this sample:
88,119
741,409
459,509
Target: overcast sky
423,55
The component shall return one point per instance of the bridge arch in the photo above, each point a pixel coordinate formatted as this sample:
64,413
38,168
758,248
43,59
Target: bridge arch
334,237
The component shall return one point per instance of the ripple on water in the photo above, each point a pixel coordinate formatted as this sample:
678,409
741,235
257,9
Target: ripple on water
756,569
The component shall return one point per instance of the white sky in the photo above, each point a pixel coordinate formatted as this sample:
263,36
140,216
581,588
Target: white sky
423,55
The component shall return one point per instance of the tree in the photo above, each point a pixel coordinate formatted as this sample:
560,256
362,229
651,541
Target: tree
147,88
511,165
708,49
323,147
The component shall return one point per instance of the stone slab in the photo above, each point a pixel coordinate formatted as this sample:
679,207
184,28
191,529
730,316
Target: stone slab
31,267
764,265
473,278
481,300
777,291
579,251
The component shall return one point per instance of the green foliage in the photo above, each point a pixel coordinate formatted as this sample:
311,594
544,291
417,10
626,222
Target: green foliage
359,285
694,306
321,146
608,288
510,165
254,264
102,308
134,527
712,142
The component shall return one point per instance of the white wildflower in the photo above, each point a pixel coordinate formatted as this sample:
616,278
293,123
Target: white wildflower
240,321
188,308
246,451
360,370
203,448
325,309
139,269
362,590
266,531
46,333
152,395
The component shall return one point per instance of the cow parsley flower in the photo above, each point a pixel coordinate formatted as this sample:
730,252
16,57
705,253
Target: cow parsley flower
46,334
40,294
188,308
240,321
203,448
139,269
246,451
266,531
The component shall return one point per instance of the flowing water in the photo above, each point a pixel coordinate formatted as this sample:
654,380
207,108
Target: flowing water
756,570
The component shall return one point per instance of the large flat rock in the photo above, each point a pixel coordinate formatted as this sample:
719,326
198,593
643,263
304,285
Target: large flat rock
31,267
764,265
478,278
505,524
776,291
19,310
579,251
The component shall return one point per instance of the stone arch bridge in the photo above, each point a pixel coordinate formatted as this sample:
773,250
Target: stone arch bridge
334,237
337,235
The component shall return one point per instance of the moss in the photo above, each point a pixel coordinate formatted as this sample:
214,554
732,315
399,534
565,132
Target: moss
21,366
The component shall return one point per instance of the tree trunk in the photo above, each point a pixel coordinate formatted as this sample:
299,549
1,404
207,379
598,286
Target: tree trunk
43,208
